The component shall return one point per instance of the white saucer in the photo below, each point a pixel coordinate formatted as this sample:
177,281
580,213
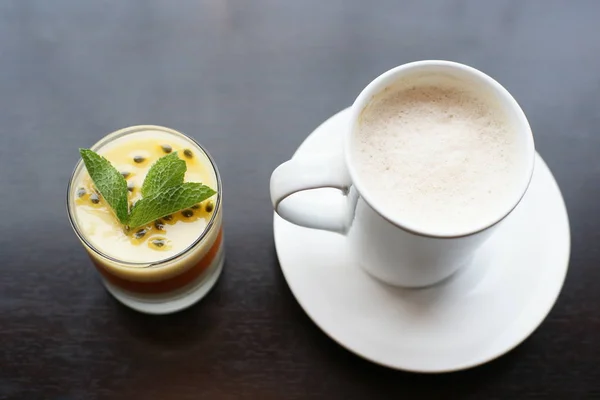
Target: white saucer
480,313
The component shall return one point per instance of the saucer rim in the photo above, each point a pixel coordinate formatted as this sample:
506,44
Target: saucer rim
465,365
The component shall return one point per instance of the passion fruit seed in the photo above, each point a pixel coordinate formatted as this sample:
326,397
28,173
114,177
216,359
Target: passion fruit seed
125,174
159,242
140,234
158,224
188,153
168,217
166,148
209,206
81,192
94,198
130,187
139,159
187,213
196,206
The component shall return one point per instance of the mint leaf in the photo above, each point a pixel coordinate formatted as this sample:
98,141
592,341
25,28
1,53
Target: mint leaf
167,172
167,202
109,182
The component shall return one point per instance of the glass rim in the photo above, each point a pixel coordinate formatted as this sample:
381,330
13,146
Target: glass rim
152,264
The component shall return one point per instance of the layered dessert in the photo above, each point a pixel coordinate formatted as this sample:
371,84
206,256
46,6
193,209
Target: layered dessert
169,254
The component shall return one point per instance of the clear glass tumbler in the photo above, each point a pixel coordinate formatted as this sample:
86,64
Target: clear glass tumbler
165,285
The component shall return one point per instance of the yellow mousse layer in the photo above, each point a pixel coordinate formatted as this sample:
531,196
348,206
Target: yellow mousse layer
133,155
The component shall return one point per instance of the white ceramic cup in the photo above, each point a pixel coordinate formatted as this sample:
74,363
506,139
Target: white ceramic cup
384,245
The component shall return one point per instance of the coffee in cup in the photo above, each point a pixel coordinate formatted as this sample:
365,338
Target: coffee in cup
438,152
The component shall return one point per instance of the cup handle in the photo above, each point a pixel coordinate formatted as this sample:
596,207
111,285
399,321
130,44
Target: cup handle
316,172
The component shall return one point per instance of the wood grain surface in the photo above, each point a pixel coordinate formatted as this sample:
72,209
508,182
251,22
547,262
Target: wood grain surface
250,80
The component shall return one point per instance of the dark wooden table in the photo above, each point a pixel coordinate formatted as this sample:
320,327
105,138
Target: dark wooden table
250,79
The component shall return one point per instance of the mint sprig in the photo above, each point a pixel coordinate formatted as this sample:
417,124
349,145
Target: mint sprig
167,172
167,202
163,190
109,182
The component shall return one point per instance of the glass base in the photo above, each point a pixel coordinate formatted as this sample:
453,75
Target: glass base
174,301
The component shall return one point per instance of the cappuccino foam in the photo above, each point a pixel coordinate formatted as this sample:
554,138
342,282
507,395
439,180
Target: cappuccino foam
439,155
